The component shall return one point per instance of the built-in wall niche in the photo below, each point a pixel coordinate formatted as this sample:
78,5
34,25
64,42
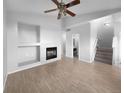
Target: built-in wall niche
28,44
28,34
28,55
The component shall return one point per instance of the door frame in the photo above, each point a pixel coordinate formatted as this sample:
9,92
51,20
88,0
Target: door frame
73,36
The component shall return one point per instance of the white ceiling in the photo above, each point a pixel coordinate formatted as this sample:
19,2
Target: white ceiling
38,6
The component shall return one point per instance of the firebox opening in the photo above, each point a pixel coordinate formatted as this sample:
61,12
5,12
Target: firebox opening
51,52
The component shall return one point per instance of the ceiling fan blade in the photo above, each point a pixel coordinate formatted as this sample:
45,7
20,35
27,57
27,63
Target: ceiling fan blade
51,10
56,2
59,15
75,2
70,13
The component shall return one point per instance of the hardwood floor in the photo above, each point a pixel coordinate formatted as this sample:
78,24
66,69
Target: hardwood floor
66,76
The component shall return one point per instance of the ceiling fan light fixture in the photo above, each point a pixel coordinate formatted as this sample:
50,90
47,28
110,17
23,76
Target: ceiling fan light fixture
62,7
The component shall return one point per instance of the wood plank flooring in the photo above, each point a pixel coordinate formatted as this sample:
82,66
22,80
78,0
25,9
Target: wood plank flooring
66,76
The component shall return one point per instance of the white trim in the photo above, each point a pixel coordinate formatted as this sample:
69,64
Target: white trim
28,44
86,61
25,67
78,45
4,83
30,66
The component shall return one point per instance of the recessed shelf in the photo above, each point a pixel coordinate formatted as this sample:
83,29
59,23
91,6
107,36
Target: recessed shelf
28,62
28,44
28,55
28,33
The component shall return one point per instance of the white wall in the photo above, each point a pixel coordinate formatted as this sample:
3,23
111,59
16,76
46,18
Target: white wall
84,43
51,38
93,38
116,42
63,44
49,33
4,43
105,33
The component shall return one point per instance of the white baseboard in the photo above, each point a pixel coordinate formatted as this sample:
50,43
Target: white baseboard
4,83
83,60
30,66
24,67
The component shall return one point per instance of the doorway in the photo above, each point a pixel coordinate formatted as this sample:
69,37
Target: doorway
75,39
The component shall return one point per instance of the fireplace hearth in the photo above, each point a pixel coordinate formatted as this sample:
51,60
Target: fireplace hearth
51,52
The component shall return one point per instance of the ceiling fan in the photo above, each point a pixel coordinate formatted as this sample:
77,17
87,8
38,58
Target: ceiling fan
62,7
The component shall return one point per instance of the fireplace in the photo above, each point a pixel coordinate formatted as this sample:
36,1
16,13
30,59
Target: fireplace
51,52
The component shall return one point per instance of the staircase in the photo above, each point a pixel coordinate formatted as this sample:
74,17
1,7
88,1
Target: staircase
104,55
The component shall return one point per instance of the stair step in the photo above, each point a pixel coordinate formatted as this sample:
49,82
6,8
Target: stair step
106,62
103,53
103,60
104,50
104,56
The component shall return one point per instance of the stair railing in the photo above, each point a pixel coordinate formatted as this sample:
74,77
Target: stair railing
95,46
99,37
94,49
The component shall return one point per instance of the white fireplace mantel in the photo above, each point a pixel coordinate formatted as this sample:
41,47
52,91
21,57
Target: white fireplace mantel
43,51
